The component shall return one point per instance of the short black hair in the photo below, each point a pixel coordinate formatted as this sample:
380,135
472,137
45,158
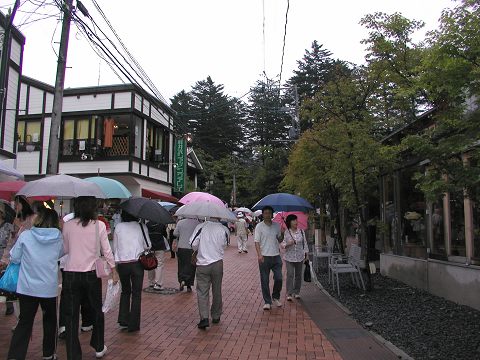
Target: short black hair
268,207
127,217
289,219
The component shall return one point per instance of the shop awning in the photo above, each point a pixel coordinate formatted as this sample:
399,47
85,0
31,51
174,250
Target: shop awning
158,195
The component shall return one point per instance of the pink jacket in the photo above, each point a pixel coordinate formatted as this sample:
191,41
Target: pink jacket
81,245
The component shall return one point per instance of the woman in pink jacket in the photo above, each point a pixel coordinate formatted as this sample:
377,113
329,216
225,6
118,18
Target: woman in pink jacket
84,237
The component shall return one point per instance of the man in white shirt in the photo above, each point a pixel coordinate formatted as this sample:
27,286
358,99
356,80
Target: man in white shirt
268,235
209,239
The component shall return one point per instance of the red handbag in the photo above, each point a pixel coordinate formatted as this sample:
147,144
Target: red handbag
147,258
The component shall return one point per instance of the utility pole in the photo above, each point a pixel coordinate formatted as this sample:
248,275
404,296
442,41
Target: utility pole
54,141
5,60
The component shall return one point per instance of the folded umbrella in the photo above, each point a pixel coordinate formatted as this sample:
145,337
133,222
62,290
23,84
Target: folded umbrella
205,209
148,209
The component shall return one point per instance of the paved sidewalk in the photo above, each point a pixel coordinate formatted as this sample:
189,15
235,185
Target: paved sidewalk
169,331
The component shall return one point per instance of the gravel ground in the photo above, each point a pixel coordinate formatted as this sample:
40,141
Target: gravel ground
421,324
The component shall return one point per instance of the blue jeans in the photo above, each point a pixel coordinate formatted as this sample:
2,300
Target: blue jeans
273,263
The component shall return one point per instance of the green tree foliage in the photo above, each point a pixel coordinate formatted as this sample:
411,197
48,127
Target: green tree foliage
213,117
394,60
267,123
451,77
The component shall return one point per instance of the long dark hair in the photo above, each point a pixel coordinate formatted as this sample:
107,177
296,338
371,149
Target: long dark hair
26,208
47,218
85,209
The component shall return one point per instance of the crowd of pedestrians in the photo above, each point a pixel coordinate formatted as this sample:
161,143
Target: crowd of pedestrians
39,242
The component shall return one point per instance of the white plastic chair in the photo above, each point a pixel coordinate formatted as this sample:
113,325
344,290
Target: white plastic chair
352,267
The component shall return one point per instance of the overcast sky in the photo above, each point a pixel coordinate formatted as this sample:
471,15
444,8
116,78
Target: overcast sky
183,41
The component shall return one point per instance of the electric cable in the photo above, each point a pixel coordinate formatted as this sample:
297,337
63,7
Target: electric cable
284,40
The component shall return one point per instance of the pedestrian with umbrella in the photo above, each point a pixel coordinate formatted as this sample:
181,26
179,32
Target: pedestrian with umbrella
209,240
267,238
84,237
130,240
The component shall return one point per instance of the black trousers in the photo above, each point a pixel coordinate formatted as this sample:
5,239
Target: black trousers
186,271
85,310
75,286
23,331
131,278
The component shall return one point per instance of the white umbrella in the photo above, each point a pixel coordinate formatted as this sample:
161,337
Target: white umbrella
257,213
200,210
243,210
62,186
10,171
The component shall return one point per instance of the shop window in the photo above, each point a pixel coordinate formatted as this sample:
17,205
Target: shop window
78,137
29,133
412,210
438,230
457,223
157,141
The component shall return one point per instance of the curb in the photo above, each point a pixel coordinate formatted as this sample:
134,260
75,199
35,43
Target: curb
397,351
322,289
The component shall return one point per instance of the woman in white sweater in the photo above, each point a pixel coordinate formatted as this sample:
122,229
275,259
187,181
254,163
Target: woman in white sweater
129,241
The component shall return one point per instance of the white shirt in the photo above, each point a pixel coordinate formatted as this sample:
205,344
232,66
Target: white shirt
128,242
267,236
210,243
297,251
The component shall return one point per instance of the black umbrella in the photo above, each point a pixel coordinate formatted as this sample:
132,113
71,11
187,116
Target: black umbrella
147,209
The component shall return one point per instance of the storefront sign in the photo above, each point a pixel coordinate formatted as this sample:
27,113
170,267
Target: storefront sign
181,165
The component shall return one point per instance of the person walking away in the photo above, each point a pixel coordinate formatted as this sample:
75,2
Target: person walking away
6,229
209,239
157,233
186,271
23,221
83,237
170,238
37,250
128,244
296,252
267,237
241,231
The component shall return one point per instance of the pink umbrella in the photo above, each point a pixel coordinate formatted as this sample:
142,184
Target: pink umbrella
302,219
197,196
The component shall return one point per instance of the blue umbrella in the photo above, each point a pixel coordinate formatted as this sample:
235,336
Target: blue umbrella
113,189
283,202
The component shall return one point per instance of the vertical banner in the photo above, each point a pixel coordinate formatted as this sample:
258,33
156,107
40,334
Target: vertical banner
181,165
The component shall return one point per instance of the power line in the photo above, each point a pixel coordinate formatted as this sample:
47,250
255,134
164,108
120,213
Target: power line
284,40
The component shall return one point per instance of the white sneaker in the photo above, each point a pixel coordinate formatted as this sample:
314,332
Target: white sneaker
267,307
99,354
297,296
51,357
157,287
86,328
289,298
277,302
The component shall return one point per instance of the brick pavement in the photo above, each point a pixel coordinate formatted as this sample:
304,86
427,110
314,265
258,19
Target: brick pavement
169,331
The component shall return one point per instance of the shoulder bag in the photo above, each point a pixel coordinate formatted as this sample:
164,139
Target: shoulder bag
193,259
102,268
147,258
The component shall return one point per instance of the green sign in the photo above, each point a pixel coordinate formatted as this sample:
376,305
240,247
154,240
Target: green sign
181,165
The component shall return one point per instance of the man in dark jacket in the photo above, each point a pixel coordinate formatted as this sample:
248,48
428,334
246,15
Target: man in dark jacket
158,234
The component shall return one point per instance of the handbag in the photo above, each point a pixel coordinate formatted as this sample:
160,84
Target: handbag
147,258
307,275
9,279
102,269
193,259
